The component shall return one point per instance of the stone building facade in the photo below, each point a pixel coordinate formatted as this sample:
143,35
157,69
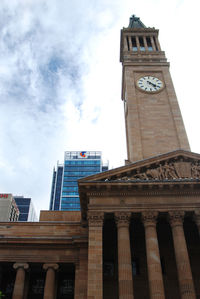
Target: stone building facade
137,235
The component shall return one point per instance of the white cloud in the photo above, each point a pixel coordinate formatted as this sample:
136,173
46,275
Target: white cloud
60,81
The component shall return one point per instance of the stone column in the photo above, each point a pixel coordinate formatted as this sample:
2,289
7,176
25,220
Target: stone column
80,291
18,292
182,259
137,43
130,43
49,287
95,255
152,43
125,279
157,43
156,286
145,43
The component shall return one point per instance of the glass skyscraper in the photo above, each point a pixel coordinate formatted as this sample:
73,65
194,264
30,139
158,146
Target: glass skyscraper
64,191
26,209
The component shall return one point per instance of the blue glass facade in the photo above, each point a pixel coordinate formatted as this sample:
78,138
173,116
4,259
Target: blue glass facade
26,209
56,188
76,165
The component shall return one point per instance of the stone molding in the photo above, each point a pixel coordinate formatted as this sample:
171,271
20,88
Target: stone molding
95,218
51,266
176,217
122,218
24,266
149,218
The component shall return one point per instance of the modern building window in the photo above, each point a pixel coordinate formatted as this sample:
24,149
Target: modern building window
64,193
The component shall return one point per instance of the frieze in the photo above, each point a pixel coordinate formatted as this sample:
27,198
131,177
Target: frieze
167,171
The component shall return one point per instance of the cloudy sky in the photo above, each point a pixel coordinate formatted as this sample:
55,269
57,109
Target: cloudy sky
60,81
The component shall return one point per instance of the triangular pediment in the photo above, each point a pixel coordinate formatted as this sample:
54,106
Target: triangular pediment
178,165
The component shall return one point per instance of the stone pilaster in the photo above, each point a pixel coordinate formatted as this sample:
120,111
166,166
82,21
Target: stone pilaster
156,286
186,284
95,255
81,275
18,292
49,287
124,256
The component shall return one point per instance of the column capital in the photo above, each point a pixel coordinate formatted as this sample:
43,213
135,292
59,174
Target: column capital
52,266
95,218
176,217
122,218
24,266
149,218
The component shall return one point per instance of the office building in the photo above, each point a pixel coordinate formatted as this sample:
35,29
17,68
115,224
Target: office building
137,235
8,208
64,191
26,209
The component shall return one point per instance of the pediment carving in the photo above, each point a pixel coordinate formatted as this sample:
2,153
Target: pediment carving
169,170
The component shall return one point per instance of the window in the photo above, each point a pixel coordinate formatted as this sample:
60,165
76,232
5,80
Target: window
141,42
83,168
70,188
83,162
77,173
66,183
127,43
149,45
69,193
134,45
66,200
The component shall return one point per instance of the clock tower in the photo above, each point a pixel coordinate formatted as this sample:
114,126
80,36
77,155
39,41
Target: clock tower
153,119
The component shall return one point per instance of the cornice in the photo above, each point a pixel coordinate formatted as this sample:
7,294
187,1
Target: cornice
140,30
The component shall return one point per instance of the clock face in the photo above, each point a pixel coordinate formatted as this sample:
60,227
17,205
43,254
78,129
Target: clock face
150,84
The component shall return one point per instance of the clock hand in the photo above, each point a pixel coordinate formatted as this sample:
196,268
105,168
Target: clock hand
154,85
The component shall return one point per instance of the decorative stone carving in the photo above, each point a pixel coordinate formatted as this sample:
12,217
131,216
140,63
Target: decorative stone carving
122,218
95,218
176,217
24,266
169,170
149,217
